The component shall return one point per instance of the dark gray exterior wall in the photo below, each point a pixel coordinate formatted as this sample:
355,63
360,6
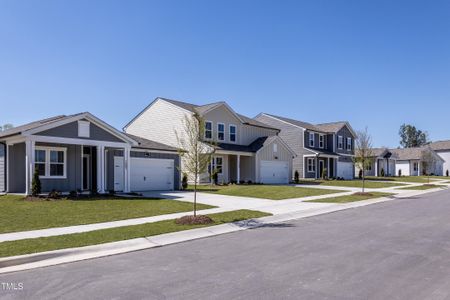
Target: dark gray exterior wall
141,154
70,130
73,168
345,133
328,141
16,159
293,136
2,168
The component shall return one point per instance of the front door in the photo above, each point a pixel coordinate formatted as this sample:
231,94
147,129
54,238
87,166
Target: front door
321,167
86,172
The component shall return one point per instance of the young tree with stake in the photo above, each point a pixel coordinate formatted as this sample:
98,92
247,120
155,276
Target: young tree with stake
363,153
195,153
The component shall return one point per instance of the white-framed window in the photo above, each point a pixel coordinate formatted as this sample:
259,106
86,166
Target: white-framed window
369,168
208,130
311,139
275,148
51,162
340,142
311,163
321,141
349,144
84,129
233,133
416,167
217,164
220,131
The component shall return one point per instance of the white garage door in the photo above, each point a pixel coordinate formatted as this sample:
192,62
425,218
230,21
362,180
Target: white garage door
345,170
274,172
151,174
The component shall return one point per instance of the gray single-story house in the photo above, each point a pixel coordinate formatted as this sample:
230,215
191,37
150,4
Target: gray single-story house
82,153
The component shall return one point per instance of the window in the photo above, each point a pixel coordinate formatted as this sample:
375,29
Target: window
416,167
217,164
311,165
349,144
321,141
311,139
51,162
340,142
275,147
369,168
208,130
220,131
232,133
84,129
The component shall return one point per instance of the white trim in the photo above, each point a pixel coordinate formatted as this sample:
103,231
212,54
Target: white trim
313,159
70,141
322,136
235,133
212,130
84,129
226,152
154,151
238,169
351,144
340,138
47,150
7,168
218,124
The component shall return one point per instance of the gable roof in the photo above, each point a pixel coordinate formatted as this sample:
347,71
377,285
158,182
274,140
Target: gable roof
377,152
440,145
253,146
294,122
410,153
149,144
202,109
334,127
44,124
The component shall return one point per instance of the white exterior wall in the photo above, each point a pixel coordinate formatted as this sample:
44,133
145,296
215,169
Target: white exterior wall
267,153
159,123
446,165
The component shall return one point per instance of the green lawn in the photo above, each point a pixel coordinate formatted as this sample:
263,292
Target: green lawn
353,183
351,198
422,187
272,192
413,179
17,214
115,234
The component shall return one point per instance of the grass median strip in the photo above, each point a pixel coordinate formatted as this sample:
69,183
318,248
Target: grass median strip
423,187
351,198
353,183
37,245
271,192
18,214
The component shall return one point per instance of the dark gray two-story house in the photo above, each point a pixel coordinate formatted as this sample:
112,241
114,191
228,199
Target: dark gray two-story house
322,149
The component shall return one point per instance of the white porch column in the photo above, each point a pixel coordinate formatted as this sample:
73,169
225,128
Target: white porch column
126,167
328,167
418,168
29,167
100,169
238,168
7,167
376,167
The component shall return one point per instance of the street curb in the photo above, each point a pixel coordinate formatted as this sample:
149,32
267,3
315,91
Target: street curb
62,256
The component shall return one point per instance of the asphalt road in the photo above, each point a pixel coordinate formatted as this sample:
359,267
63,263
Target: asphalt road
392,250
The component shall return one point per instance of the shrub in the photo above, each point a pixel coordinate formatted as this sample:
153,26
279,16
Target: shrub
400,173
360,175
73,194
54,194
215,178
446,173
296,177
36,184
241,181
382,172
324,173
249,182
184,181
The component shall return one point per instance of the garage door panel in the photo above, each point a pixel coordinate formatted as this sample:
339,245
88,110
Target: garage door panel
345,170
148,174
274,172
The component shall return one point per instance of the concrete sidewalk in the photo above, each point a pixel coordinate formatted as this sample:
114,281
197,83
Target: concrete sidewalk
31,261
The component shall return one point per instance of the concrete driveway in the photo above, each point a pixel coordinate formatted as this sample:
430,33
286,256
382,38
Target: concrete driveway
392,250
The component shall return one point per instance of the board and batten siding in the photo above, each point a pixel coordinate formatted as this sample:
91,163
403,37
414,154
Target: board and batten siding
2,168
292,136
268,153
159,123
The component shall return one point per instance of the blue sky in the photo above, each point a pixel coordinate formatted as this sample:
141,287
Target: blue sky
374,63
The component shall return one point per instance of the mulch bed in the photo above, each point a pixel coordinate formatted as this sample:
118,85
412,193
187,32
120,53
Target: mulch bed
191,220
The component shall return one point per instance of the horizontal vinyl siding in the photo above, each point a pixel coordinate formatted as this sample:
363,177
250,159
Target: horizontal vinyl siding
267,153
159,123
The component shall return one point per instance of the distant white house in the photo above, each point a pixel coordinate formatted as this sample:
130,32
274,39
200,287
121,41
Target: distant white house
408,162
442,148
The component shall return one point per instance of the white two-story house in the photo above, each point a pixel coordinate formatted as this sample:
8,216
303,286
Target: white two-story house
247,150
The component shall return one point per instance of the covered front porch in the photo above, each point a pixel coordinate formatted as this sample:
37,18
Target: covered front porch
233,167
63,164
320,166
